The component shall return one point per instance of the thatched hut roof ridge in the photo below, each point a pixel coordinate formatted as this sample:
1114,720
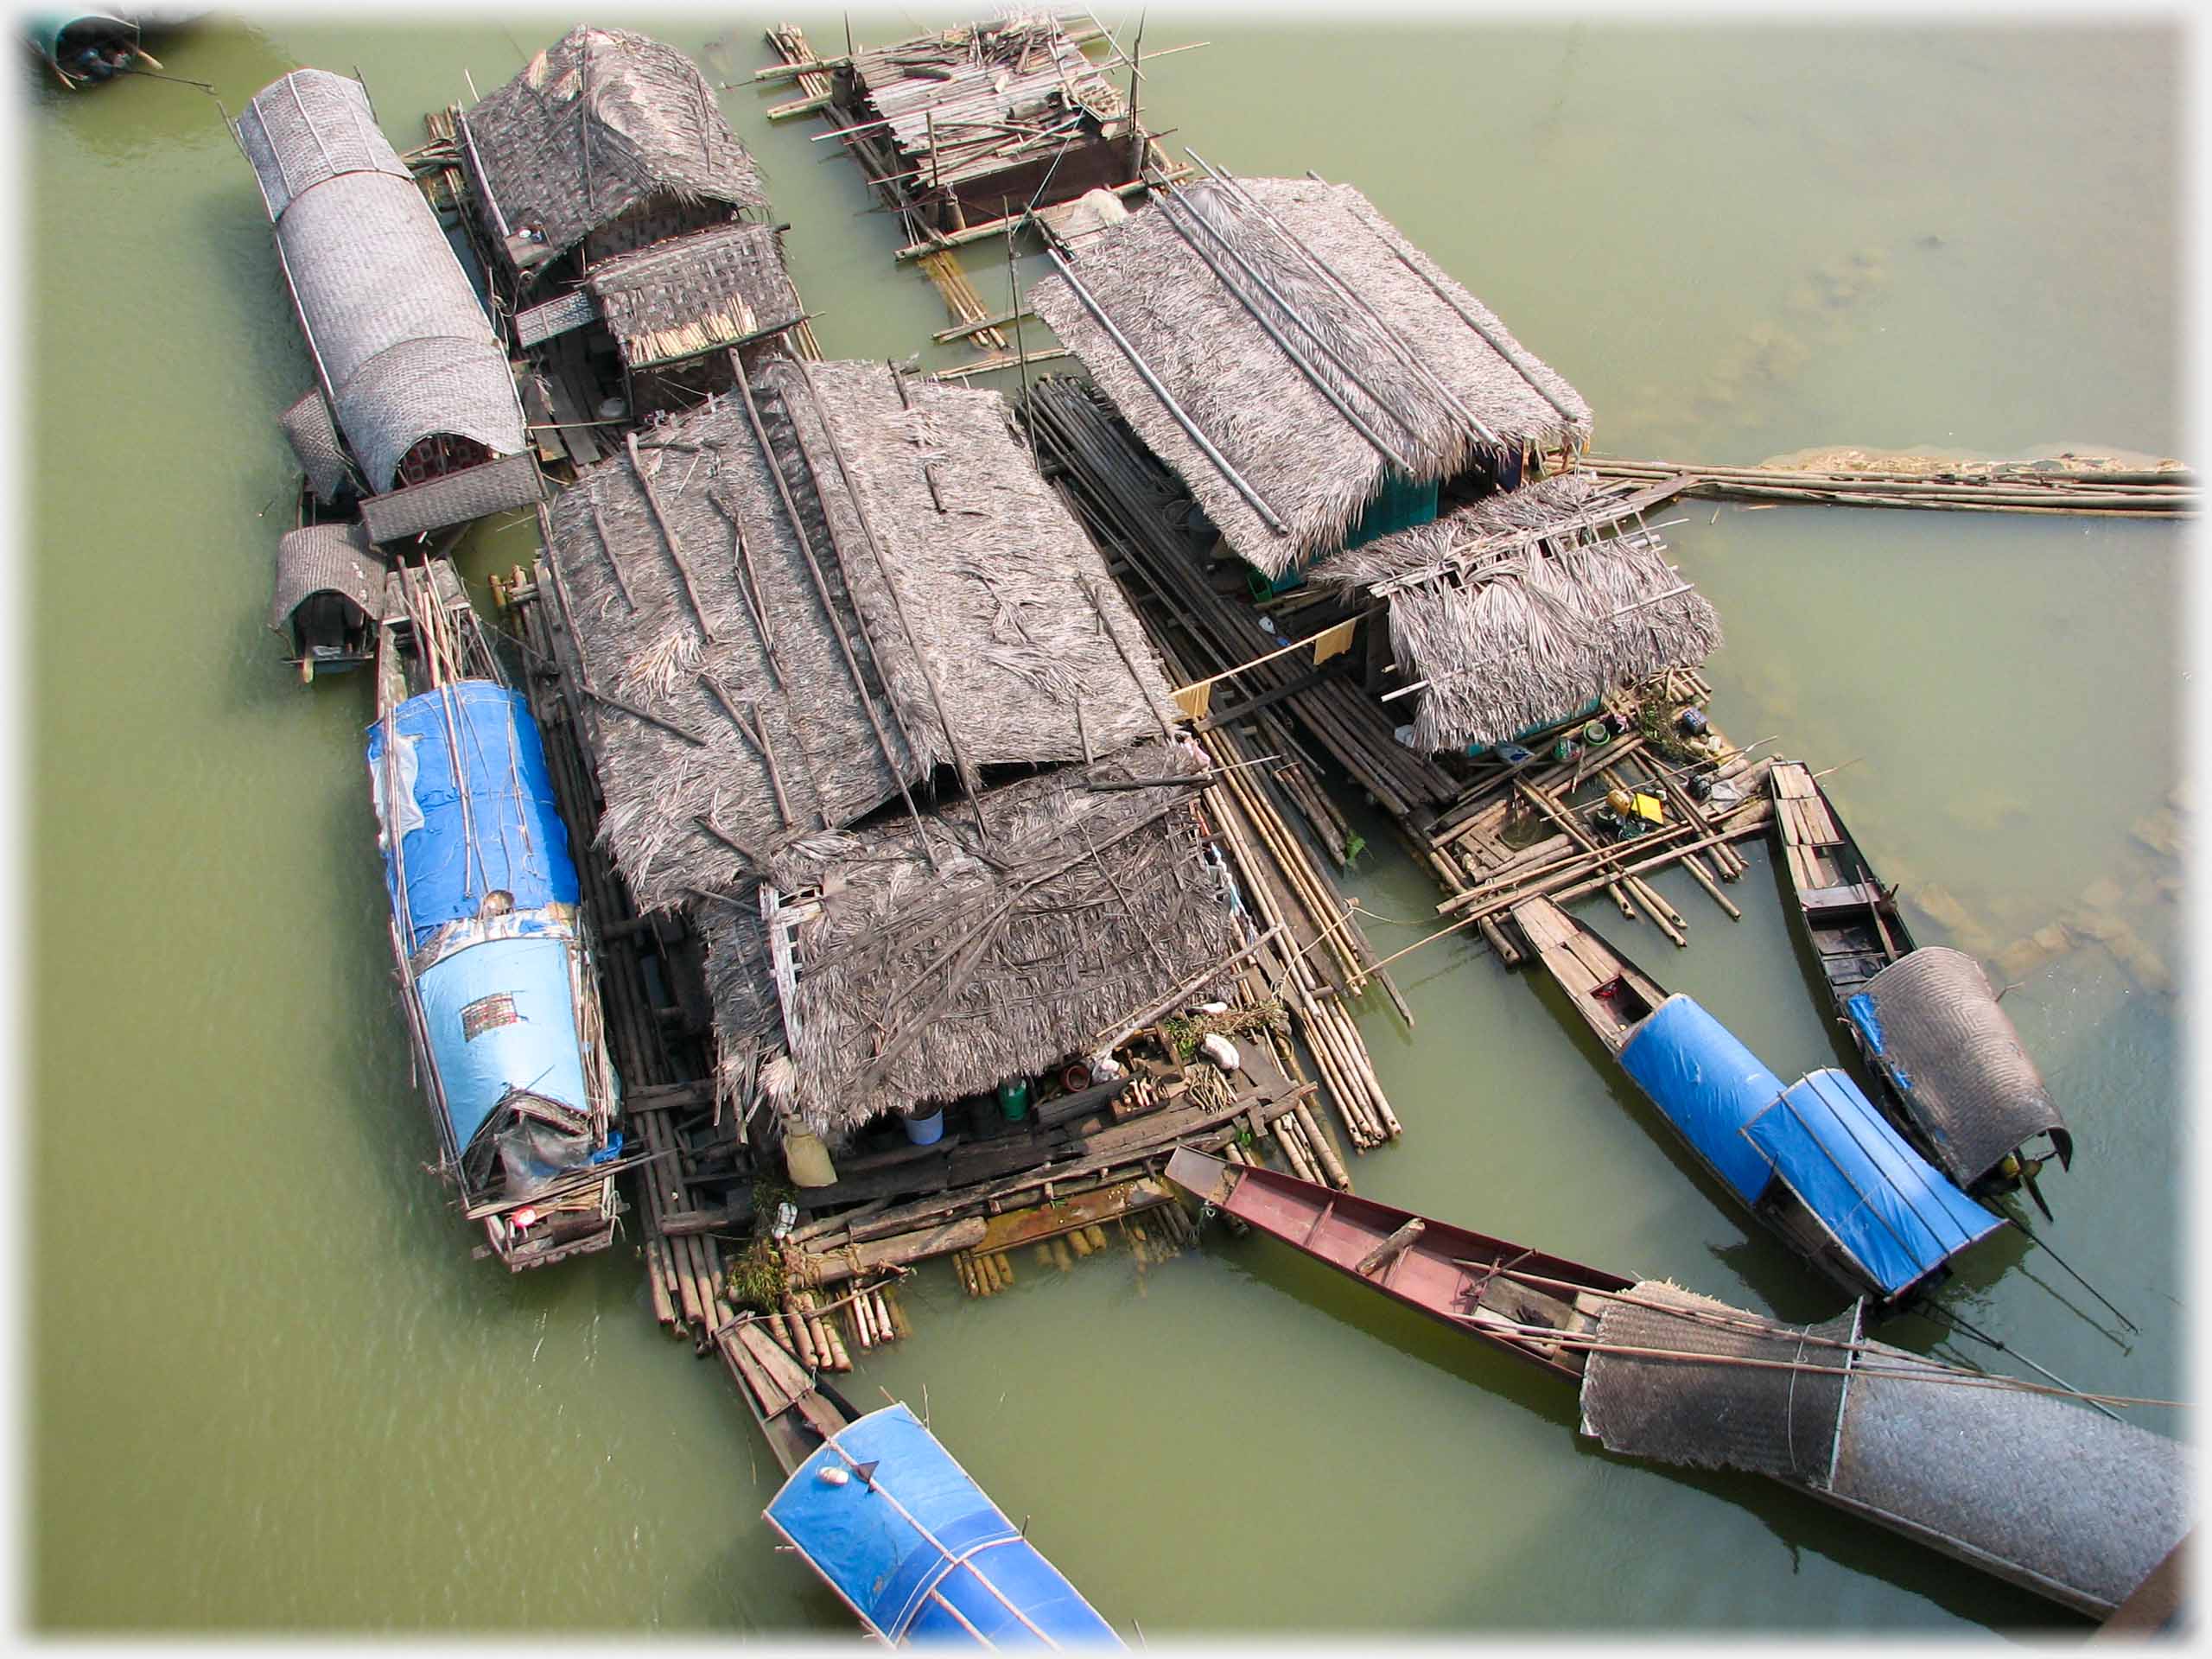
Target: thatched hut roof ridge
1524,607
1220,292
858,980
597,123
729,722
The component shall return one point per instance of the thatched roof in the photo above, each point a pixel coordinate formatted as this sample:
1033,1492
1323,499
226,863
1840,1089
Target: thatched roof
976,101
1295,448
599,122
402,347
326,559
1520,608
899,985
678,299
316,447
994,615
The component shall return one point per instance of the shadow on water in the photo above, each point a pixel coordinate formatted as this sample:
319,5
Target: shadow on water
1762,1261
1801,1522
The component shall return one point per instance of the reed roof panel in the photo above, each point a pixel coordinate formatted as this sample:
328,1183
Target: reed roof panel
680,298
1523,608
994,615
596,124
1437,358
905,985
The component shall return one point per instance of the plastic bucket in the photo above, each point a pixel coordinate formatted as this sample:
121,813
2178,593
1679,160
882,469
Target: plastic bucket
925,1131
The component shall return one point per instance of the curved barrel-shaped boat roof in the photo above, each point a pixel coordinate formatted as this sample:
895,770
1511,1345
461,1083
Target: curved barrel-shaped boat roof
455,834
1708,1085
915,1548
326,559
1933,1024
2033,1487
401,344
1892,1211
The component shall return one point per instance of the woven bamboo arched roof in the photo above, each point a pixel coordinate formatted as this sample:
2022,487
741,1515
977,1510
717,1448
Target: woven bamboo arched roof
754,681
598,123
1199,285
402,347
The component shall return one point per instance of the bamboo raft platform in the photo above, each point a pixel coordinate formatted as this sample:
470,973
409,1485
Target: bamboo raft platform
931,202
1991,486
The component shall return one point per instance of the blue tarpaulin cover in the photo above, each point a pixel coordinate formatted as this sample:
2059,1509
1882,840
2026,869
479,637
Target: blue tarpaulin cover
917,1550
1899,1217
1708,1084
486,825
514,996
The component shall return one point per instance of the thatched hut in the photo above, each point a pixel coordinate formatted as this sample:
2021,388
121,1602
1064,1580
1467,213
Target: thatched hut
1517,610
797,604
856,979
1314,377
606,142
405,361
971,119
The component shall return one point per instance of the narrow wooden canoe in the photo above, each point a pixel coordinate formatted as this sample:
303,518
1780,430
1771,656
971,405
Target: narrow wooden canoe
1949,1070
1488,1288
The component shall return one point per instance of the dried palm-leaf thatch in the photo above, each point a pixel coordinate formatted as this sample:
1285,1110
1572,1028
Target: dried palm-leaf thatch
598,123
855,980
401,348
681,299
982,625
1521,607
1414,379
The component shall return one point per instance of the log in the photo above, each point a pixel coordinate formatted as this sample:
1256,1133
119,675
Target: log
1390,1248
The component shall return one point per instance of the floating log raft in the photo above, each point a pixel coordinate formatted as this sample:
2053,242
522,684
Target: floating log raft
1979,486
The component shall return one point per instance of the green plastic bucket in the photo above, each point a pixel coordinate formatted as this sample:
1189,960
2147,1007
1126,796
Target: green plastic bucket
1014,1099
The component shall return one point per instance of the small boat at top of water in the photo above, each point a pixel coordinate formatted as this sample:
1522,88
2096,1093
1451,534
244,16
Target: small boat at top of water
911,1543
494,968
1950,1069
86,48
1814,1160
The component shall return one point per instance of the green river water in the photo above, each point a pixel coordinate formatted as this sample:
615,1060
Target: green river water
266,1389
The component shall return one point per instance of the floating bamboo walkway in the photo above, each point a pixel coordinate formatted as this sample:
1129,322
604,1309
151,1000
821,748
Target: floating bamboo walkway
1995,486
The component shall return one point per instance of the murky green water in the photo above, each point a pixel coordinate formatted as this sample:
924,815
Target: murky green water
271,1392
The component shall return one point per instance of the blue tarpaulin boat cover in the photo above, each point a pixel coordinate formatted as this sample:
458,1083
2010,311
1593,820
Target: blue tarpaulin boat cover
501,1017
462,832
917,1549
1899,1216
1708,1084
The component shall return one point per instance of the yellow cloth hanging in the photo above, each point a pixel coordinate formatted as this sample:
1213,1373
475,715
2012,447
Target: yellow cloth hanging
1195,700
1333,642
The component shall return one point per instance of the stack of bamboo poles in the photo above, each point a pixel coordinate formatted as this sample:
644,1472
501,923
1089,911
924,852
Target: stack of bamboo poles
1134,508
808,1328
1320,955
683,1269
1995,487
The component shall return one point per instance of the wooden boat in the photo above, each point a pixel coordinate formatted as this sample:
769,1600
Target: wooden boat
2030,1487
494,968
1507,1295
85,47
1950,1070
797,1411
917,1550
1813,1160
